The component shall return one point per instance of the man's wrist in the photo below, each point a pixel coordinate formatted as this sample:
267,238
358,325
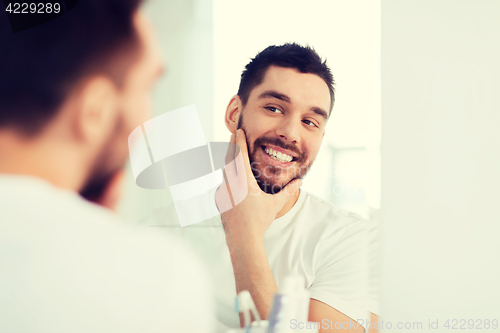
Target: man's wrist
243,242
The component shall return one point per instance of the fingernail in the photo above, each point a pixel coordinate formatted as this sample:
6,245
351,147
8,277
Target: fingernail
238,132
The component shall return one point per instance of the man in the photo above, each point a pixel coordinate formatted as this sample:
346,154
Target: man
71,91
278,119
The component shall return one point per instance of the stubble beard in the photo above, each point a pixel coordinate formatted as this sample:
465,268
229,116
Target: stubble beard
266,177
105,167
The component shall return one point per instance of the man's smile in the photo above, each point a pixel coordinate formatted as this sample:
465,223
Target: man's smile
281,155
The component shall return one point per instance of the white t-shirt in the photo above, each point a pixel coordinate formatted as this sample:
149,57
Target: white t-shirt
67,265
326,245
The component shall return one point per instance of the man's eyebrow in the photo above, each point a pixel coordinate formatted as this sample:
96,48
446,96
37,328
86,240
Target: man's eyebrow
285,98
320,111
275,94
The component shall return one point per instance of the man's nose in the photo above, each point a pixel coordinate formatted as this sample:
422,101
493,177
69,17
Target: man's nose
288,130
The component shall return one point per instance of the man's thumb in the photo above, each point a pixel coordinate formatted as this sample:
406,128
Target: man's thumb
290,189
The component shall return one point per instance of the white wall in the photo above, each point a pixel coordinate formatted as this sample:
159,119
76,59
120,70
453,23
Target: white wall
184,29
440,161
207,43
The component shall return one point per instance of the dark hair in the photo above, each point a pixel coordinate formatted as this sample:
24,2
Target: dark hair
41,65
289,55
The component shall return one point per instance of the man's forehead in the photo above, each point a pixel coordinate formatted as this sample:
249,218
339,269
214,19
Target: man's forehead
298,87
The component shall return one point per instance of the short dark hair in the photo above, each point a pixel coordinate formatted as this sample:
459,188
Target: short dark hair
289,55
41,65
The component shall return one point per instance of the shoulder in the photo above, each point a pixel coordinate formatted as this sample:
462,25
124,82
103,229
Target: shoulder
56,221
100,267
317,213
338,236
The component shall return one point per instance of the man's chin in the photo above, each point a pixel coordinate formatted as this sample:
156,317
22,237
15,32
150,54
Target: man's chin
97,185
272,187
95,188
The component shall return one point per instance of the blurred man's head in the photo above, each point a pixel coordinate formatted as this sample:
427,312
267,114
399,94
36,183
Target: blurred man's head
83,79
284,101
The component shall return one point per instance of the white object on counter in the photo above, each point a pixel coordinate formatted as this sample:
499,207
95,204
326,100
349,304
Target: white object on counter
291,303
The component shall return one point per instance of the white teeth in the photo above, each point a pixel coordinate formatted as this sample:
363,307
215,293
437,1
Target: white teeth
278,155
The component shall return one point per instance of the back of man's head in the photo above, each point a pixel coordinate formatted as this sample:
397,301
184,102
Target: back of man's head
72,90
289,55
40,66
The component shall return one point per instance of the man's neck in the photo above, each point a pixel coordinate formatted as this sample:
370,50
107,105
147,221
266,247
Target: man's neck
288,205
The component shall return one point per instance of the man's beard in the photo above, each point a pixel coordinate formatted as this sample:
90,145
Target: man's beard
266,179
107,164
97,184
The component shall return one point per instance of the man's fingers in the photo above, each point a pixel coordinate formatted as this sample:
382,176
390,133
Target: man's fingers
289,190
231,149
236,169
223,198
241,141
239,172
238,181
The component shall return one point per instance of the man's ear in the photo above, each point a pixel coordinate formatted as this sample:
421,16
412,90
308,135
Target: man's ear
233,113
97,109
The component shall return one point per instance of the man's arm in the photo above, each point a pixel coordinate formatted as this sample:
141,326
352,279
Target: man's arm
374,320
252,272
331,320
246,224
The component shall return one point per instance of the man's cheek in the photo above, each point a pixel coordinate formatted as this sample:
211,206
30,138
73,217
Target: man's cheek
143,109
138,112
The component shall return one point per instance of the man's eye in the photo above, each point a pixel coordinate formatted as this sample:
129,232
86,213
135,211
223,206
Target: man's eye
273,109
308,122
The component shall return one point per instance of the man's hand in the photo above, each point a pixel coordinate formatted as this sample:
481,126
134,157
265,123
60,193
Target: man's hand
249,220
